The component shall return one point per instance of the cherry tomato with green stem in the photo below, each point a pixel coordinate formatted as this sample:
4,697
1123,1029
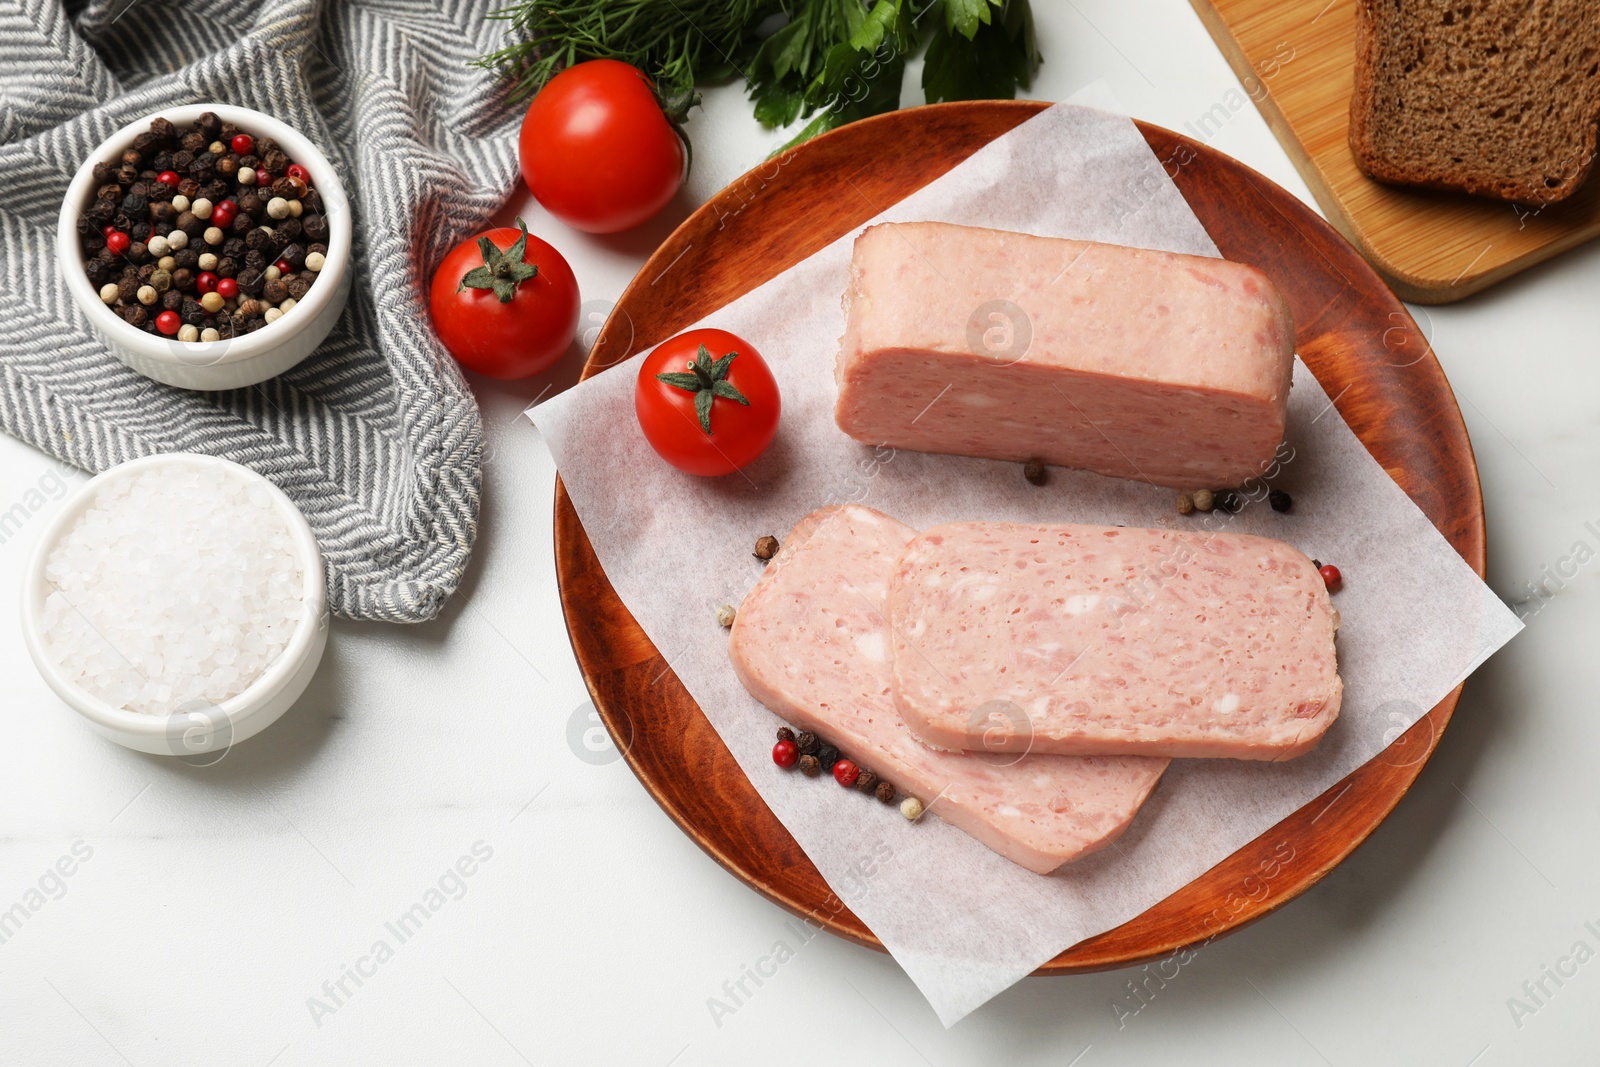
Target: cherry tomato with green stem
707,402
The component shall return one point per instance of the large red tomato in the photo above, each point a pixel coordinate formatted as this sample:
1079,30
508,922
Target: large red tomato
597,151
505,303
707,402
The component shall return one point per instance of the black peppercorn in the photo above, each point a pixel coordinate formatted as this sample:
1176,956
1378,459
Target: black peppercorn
203,161
227,131
105,173
163,214
135,315
807,742
126,288
289,229
1227,500
275,160
766,547
97,273
210,125
181,160
233,247
866,782
250,204
275,292
171,300
192,313
214,190
186,257
145,142
127,174
320,249
140,231
228,267
146,272
183,278
785,734
809,766
240,226
189,187
827,755
312,200
250,279
162,161
1280,500
261,241
294,255
315,227
190,224
885,792
255,324
132,157
110,191
228,165
108,257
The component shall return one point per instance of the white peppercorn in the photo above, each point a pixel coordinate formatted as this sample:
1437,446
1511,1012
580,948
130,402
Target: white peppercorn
272,315
188,333
278,207
217,148
201,208
214,235
180,203
177,240
288,305
108,292
212,302
246,176
295,209
210,334
167,263
725,616
147,295
208,261
911,808
315,260
157,246
272,272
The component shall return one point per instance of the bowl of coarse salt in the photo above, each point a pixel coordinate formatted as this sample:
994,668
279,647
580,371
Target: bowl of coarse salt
177,602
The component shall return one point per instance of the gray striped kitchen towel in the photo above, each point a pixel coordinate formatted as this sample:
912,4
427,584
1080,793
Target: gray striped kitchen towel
376,437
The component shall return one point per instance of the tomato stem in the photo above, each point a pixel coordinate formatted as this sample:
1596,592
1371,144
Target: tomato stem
502,271
707,380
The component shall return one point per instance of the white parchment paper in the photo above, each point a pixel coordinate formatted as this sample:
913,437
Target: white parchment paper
961,921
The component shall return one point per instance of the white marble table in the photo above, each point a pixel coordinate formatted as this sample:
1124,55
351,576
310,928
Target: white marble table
229,914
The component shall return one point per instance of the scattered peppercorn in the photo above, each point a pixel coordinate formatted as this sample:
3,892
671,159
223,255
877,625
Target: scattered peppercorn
1229,501
1330,577
808,742
725,616
885,792
785,754
766,547
1034,472
911,808
845,772
827,755
809,766
1280,500
1184,503
785,734
1202,500
866,782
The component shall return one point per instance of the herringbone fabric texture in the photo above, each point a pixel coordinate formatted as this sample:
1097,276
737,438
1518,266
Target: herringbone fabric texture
376,437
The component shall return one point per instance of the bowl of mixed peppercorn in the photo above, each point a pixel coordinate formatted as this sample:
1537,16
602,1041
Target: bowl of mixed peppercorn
208,245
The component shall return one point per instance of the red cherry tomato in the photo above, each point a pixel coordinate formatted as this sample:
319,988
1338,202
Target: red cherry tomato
597,151
497,316
670,410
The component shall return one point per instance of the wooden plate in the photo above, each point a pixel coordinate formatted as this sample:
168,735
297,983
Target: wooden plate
1351,330
1296,59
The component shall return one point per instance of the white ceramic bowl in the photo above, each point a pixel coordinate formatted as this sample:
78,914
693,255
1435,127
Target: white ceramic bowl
233,362
206,730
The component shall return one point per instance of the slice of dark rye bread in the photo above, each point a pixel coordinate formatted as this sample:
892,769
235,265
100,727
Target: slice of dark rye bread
1494,97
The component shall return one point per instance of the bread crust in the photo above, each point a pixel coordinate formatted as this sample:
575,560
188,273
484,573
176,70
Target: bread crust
1384,167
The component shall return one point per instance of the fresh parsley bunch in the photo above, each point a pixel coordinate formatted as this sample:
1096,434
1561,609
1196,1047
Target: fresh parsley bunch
830,61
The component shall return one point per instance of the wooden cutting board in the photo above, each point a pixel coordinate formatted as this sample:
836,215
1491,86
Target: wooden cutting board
1349,328
1296,60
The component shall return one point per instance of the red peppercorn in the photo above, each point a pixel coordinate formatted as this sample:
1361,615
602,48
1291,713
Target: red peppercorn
206,282
169,177
168,322
227,288
242,143
118,242
283,267
297,171
1331,577
785,753
845,772
223,214
107,230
